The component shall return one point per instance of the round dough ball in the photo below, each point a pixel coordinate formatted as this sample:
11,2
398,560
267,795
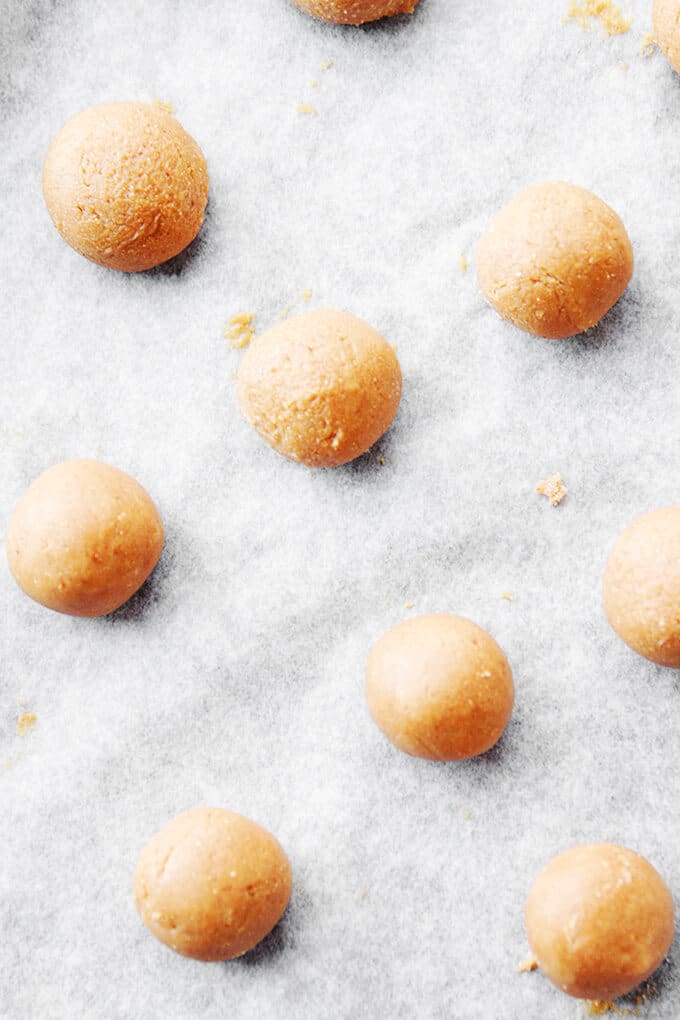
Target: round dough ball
641,587
666,21
599,920
554,260
212,884
355,12
83,538
125,185
439,687
320,388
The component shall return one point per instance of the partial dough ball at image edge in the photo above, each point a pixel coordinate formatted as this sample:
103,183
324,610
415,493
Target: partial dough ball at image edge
641,586
212,884
555,260
439,687
320,388
83,538
355,12
125,185
600,920
666,23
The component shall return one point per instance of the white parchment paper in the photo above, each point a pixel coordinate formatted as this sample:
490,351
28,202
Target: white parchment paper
235,677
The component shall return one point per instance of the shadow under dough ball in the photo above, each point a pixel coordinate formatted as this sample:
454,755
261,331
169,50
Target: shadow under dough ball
320,388
212,884
554,260
600,920
125,185
666,22
355,12
641,586
439,687
83,538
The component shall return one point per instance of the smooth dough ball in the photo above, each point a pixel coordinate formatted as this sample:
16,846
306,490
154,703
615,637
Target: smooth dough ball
83,538
439,687
212,884
599,920
355,12
666,21
125,185
554,260
320,388
641,587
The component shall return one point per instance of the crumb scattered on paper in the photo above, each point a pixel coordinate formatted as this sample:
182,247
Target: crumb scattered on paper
307,108
327,64
607,13
283,314
554,488
623,65
160,104
463,263
598,1007
466,816
307,294
507,595
381,460
526,966
648,45
409,605
240,330
25,723
314,83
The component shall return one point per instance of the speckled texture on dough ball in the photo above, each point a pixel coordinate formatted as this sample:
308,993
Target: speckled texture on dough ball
600,920
641,587
355,12
83,538
666,21
320,388
439,687
212,884
125,185
554,260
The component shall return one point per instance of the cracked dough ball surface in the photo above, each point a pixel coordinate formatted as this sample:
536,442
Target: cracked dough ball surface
439,687
83,538
125,185
212,884
641,586
320,388
554,260
355,12
666,21
600,920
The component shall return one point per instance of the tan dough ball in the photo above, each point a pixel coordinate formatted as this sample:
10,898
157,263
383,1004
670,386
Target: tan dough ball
212,884
554,260
439,687
641,588
125,185
599,920
83,538
320,388
355,12
666,21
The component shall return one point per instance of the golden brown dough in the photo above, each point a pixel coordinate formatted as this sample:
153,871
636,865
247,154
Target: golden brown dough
125,185
212,884
355,12
83,538
641,587
320,388
600,920
439,687
554,260
666,21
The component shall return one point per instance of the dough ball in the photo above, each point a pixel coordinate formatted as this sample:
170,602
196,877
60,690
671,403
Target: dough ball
355,12
666,21
125,185
212,884
83,538
320,388
554,260
641,589
599,920
439,687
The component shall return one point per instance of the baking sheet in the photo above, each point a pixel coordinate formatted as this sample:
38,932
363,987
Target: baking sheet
235,677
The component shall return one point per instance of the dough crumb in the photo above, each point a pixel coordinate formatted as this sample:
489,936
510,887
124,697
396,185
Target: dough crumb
283,314
507,595
463,263
409,605
314,83
240,330
160,104
598,1007
307,294
608,14
327,64
466,816
648,45
623,65
554,488
307,108
381,460
526,966
25,723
